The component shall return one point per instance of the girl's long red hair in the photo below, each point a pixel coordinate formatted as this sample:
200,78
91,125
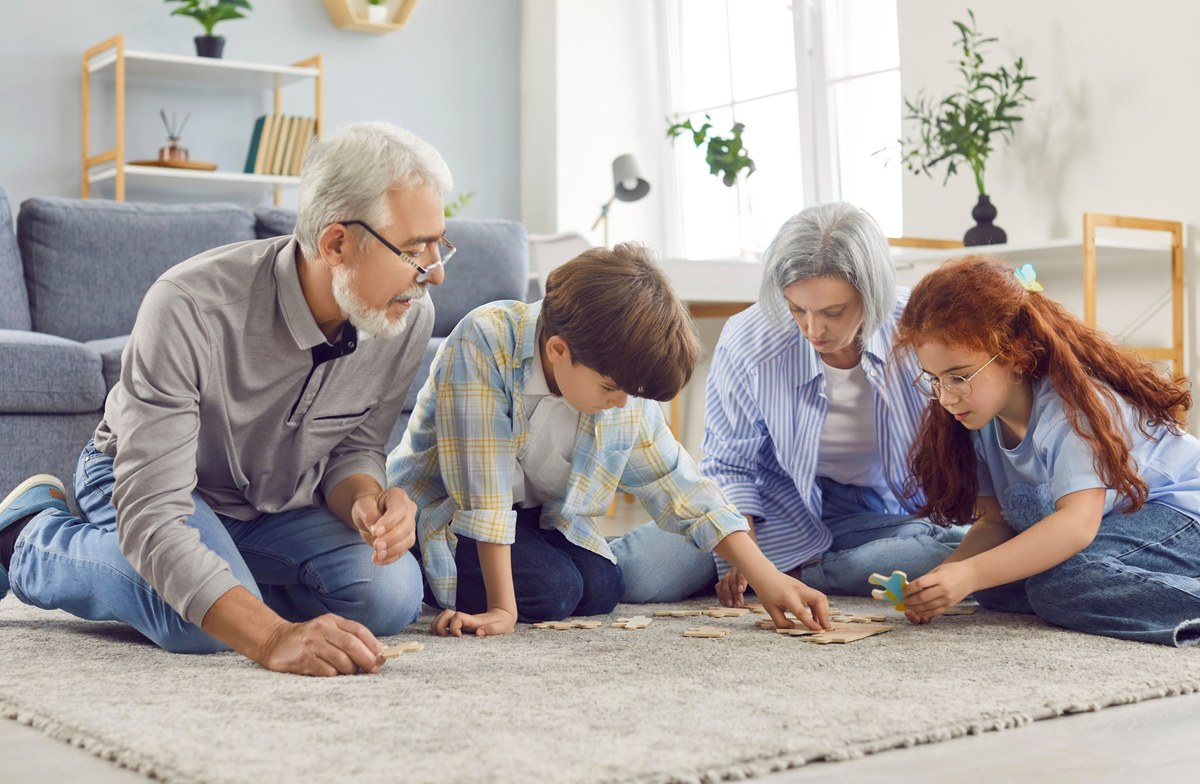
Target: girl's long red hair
978,304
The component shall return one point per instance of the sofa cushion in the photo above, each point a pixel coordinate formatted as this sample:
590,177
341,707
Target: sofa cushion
89,263
14,305
44,374
273,221
109,350
492,263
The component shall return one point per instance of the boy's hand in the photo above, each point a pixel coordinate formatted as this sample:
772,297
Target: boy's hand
779,592
388,522
731,589
939,590
451,623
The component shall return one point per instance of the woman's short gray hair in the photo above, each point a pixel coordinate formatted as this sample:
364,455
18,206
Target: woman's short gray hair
836,240
348,176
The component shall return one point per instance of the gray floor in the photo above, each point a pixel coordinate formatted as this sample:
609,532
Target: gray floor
1155,741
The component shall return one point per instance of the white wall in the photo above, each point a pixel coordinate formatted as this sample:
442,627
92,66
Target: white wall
591,73
1113,129
451,76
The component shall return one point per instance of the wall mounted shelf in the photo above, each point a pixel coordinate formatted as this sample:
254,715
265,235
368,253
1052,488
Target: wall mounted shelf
349,15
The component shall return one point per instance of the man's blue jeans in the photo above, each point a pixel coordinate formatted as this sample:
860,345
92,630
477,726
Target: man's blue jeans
1139,579
302,563
664,567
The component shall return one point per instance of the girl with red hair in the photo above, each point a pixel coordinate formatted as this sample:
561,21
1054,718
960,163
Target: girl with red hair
1065,449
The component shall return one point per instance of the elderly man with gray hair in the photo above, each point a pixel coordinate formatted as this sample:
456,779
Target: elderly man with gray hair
233,495
809,419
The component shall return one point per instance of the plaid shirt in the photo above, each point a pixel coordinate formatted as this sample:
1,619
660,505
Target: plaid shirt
457,458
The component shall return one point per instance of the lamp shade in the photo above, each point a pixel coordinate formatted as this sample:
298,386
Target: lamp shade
628,182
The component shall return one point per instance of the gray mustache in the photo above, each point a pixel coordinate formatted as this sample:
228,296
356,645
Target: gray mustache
415,293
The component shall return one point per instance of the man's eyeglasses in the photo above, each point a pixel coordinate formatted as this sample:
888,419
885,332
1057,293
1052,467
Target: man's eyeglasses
931,386
444,250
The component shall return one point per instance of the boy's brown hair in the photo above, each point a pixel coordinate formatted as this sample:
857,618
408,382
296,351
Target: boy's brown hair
619,315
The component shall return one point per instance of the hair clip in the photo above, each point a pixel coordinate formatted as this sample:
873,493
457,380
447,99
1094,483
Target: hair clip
1027,276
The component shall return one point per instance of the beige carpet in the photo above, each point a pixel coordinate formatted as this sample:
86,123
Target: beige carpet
574,706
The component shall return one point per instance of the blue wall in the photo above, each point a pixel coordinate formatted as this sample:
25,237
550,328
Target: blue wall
450,76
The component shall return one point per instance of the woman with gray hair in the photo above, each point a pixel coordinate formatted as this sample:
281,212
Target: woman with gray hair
809,419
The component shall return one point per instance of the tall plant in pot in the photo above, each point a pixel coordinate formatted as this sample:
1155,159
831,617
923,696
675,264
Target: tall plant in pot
209,13
962,128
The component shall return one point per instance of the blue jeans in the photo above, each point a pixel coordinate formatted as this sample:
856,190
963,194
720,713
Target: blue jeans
301,563
553,578
664,567
1139,579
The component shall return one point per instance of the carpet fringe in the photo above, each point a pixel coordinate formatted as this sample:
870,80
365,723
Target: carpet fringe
89,742
747,769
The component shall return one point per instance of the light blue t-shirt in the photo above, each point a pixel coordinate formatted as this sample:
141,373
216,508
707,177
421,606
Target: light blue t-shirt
1053,461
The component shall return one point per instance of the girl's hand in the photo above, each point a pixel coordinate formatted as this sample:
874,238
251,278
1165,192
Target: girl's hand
778,592
939,590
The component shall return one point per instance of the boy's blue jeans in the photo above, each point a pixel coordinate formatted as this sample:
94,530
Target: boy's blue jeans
302,563
553,578
1139,579
664,567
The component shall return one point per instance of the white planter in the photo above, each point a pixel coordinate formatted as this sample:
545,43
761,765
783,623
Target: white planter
377,13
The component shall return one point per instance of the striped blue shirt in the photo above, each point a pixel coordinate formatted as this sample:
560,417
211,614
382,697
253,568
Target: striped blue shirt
765,410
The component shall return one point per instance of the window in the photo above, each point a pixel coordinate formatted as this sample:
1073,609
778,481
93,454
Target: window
817,85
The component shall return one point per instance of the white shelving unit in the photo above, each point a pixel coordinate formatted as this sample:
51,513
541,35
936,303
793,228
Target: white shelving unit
131,65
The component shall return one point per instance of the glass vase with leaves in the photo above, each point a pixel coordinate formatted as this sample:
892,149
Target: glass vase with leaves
962,128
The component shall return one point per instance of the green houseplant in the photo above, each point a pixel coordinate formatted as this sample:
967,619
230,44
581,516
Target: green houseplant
962,128
726,156
209,13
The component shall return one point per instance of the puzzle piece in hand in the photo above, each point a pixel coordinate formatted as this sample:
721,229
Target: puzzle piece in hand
396,650
892,588
706,631
961,609
636,622
565,625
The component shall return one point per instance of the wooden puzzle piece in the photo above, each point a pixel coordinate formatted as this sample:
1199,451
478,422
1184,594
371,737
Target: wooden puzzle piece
839,633
756,608
962,609
677,613
706,631
636,622
726,612
565,625
857,618
395,650
892,588
836,626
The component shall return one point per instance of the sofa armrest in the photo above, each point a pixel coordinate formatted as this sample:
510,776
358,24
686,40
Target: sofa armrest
46,374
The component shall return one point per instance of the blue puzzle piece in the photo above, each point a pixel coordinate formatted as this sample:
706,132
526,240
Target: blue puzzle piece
893,588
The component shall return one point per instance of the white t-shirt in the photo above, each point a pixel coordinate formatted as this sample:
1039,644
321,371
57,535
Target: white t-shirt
543,466
849,448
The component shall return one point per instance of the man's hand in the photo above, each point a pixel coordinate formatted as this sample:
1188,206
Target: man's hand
451,623
388,522
939,590
327,645
779,592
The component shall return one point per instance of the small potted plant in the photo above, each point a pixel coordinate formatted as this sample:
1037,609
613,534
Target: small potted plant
208,13
960,128
725,155
377,11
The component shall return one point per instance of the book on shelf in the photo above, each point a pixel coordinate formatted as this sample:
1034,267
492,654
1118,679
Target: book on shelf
278,144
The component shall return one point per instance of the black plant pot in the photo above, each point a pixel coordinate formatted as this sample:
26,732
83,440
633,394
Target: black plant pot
210,45
983,232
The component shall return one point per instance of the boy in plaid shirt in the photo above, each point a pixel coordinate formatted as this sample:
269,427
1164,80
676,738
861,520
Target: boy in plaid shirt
533,417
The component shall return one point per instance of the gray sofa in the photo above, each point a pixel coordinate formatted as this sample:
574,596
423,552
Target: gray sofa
73,275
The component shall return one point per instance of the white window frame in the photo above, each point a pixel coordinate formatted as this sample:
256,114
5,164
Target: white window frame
819,153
